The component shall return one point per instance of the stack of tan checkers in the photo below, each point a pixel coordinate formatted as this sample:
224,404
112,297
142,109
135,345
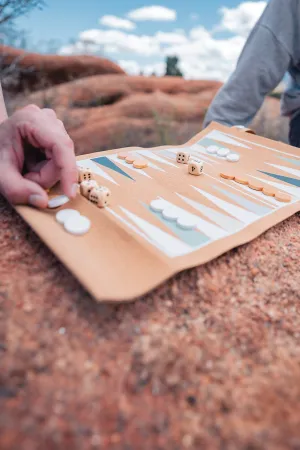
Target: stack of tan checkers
131,159
257,186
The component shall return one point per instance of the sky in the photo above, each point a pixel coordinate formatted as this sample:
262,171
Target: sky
206,35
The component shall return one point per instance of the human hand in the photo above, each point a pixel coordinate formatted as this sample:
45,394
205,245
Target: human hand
35,153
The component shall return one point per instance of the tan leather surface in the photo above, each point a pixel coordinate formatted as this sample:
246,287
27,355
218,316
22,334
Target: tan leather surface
113,262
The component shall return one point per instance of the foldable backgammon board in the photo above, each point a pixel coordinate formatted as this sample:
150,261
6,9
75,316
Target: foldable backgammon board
131,248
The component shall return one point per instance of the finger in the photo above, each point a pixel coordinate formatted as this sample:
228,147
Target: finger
49,113
62,125
52,115
45,174
66,162
33,166
32,108
18,190
56,142
63,156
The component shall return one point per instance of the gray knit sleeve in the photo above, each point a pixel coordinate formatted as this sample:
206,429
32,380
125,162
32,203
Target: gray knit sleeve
260,68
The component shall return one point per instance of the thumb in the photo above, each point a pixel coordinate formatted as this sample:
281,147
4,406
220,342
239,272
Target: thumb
18,190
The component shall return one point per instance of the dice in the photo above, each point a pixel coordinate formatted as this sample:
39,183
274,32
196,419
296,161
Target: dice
85,175
182,157
195,167
100,196
87,186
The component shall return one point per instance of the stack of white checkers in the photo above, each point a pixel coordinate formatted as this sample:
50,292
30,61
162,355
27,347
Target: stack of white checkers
223,152
73,222
171,213
71,219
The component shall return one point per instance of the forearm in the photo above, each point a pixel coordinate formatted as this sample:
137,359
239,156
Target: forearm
3,112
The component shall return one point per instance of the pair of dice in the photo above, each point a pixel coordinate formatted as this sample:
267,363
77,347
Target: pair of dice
90,189
195,165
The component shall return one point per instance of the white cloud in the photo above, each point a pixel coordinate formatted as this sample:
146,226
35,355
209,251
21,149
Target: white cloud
154,12
78,48
109,49
132,67
204,57
200,33
123,42
202,54
170,38
157,68
241,20
117,22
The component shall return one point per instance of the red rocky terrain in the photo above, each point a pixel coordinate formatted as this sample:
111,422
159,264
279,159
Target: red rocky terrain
112,111
33,71
109,111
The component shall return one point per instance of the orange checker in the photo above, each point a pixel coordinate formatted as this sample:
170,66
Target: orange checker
130,159
140,164
241,180
269,191
255,186
123,155
227,176
283,197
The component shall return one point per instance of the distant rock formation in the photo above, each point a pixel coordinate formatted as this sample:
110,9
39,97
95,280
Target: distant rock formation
111,111
32,71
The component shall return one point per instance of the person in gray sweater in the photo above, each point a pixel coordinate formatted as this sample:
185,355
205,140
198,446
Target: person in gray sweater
272,50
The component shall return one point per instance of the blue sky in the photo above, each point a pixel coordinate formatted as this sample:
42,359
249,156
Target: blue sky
65,19
204,26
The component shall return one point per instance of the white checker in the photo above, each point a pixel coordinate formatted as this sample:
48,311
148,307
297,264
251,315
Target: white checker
187,223
77,225
64,214
233,157
60,200
157,205
223,152
212,149
170,213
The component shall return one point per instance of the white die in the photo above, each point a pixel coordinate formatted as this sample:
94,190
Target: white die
182,157
85,175
100,196
195,167
87,186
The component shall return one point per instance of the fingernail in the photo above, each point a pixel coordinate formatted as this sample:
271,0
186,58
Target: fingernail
36,200
74,189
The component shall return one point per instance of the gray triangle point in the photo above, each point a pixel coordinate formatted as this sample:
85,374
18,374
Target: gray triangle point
289,180
106,162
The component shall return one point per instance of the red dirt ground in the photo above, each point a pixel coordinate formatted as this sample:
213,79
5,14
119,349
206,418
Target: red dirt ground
210,360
